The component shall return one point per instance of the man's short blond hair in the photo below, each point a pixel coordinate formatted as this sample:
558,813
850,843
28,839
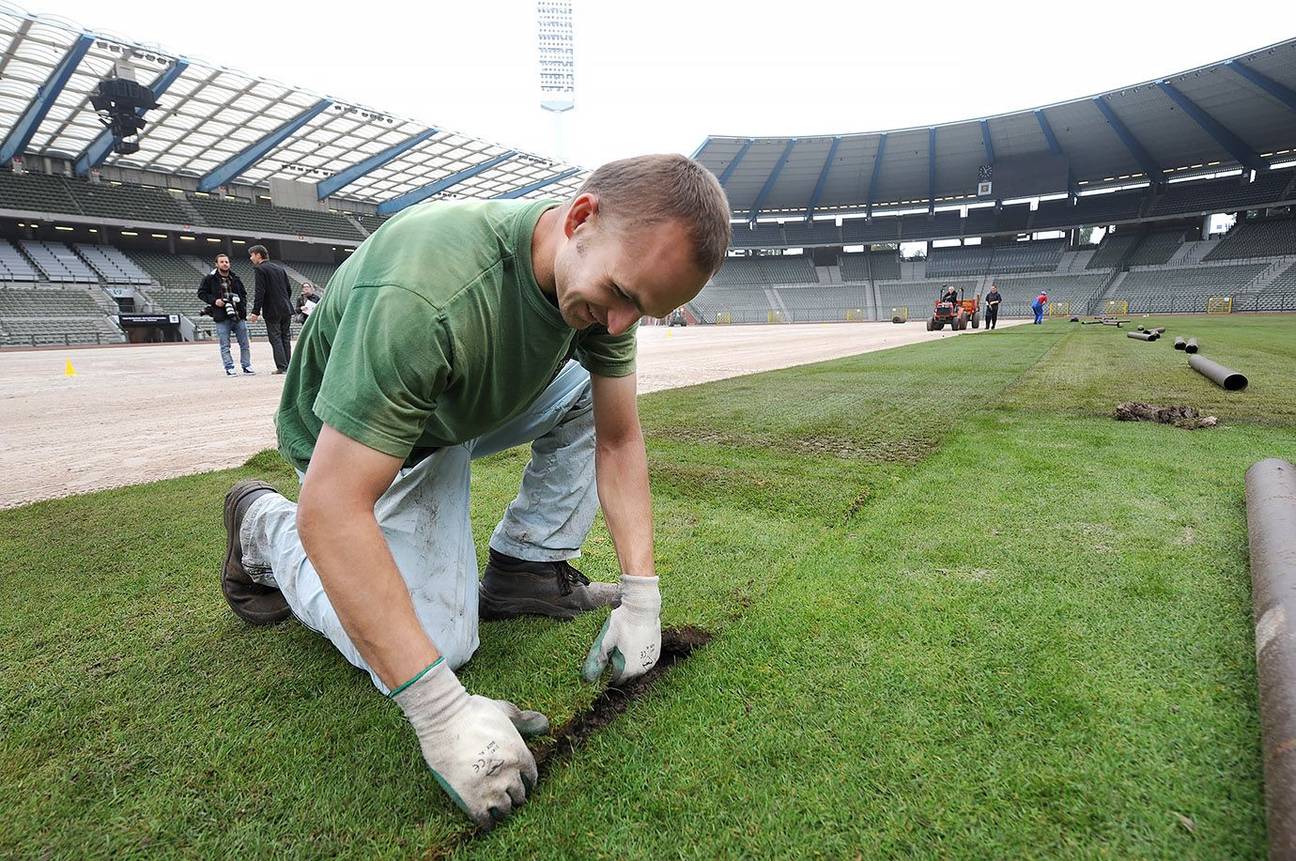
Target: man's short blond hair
650,189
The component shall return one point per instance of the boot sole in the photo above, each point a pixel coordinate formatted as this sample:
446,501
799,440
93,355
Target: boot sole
494,609
236,593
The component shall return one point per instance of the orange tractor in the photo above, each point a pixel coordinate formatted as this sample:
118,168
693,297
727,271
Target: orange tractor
958,313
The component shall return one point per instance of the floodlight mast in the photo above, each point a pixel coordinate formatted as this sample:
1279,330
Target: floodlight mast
557,66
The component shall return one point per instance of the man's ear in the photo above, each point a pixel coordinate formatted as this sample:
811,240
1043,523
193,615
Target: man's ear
582,209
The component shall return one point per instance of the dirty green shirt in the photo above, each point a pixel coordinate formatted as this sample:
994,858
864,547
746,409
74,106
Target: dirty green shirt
434,332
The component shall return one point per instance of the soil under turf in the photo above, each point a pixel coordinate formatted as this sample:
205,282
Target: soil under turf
958,611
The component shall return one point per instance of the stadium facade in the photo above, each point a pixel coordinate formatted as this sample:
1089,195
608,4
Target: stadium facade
91,229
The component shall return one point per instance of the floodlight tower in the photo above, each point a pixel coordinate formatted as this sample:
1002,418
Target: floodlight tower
557,65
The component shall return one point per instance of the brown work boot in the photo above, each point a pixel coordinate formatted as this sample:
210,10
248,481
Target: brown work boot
251,601
515,587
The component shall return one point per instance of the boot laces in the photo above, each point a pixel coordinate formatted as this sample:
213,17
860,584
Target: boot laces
568,577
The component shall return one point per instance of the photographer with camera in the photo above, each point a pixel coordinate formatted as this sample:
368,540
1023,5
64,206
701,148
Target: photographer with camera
226,300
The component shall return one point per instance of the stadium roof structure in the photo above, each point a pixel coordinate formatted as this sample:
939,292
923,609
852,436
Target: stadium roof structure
220,125
1239,112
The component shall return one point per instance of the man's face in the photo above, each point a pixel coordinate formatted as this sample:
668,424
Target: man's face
255,258
223,264
614,274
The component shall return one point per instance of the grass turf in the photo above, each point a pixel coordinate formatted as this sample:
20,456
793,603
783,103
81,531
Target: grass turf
961,612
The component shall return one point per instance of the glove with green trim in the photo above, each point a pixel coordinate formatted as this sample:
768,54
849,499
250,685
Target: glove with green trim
471,743
631,636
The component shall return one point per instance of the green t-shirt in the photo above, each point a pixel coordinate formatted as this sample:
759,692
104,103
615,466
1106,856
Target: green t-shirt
434,332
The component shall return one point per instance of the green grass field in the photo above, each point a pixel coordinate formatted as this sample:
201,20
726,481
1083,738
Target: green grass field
959,612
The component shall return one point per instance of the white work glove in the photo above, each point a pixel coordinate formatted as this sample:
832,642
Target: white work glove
471,743
631,636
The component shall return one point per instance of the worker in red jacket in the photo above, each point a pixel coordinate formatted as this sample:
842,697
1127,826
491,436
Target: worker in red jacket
1041,301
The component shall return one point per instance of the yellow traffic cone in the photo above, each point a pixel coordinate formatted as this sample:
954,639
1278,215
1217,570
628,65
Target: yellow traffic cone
68,370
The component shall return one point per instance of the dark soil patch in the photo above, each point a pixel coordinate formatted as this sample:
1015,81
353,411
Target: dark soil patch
1188,418
677,644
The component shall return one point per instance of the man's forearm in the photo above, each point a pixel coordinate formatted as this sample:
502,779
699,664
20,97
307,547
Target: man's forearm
622,473
365,588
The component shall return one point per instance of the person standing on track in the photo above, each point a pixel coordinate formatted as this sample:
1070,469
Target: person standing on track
273,300
226,297
456,330
992,300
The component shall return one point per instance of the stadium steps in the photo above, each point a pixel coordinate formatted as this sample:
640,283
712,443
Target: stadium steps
195,218
776,302
355,222
1266,278
1192,252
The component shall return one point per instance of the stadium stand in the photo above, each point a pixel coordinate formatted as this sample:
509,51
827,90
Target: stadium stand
918,297
1039,256
942,224
968,260
799,233
369,222
127,202
855,267
1158,290
766,270
317,273
823,304
1257,239
857,230
759,236
15,267
35,193
306,222
743,305
885,266
44,315
1156,248
238,215
57,261
1221,195
979,221
1105,208
1079,291
1113,249
113,266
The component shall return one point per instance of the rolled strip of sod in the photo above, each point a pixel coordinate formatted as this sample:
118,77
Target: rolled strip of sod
1221,376
1141,336
1191,346
1271,529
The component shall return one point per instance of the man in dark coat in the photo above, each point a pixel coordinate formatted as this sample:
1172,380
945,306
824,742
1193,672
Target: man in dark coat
273,301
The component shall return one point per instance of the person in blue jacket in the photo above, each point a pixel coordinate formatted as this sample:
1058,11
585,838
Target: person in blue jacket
1038,306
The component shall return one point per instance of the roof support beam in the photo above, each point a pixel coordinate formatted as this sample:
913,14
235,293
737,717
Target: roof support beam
1236,147
1282,93
253,153
738,157
877,171
538,184
823,179
987,142
1056,149
697,153
771,179
343,178
931,170
25,128
1153,170
97,152
409,198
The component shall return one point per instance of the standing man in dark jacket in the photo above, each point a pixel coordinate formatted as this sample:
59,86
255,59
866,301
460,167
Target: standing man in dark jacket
226,299
992,300
273,300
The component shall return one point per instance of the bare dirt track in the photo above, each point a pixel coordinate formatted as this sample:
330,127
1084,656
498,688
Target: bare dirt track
136,414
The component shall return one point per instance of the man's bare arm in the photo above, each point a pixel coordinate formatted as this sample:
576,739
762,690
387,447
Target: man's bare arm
336,522
621,466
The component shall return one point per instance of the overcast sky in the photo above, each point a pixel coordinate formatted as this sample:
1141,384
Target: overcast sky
661,75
